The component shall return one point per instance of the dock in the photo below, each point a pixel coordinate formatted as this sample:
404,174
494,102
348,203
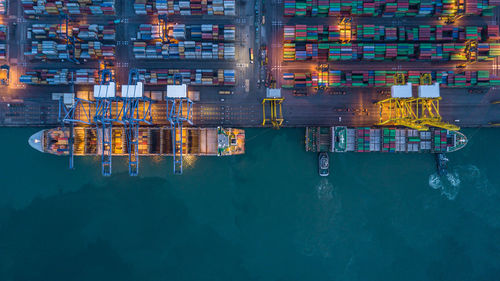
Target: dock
293,63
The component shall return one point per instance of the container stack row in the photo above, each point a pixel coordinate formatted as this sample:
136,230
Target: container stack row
439,141
385,52
369,32
195,32
194,77
385,8
3,7
392,140
185,7
51,50
189,50
34,8
60,77
84,32
381,78
3,45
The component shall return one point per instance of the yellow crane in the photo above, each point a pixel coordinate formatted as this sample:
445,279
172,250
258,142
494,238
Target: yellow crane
457,12
416,113
470,53
276,112
399,79
345,30
425,79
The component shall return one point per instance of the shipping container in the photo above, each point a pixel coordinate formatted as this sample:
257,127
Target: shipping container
194,32
385,8
189,50
60,77
382,78
185,7
83,32
194,77
34,8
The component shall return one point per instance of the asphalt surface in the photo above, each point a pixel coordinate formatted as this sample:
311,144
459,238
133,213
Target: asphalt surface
25,105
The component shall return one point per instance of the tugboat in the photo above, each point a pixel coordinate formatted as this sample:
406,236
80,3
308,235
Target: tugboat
324,164
442,164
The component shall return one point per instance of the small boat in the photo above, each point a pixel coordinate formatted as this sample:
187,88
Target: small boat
442,164
324,164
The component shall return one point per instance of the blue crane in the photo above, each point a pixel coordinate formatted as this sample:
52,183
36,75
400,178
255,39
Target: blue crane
136,109
70,41
104,95
179,110
79,112
162,22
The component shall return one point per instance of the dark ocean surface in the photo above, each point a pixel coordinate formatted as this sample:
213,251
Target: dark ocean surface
265,215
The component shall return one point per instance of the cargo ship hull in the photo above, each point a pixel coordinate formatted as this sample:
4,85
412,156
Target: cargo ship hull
391,140
153,141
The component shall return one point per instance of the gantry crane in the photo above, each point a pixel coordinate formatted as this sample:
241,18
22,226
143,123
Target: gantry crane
425,79
275,100
457,13
69,40
163,22
345,30
136,108
179,111
416,113
399,79
74,110
471,54
323,71
105,95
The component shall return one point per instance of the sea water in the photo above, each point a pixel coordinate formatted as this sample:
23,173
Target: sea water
265,215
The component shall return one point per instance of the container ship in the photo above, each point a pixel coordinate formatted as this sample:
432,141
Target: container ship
153,141
391,140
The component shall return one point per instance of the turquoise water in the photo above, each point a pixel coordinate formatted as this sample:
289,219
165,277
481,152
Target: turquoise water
265,215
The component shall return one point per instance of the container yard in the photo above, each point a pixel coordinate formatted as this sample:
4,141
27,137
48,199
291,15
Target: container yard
323,65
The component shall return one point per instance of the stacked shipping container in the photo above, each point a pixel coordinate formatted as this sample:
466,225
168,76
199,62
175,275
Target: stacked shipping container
392,140
369,33
51,50
60,77
381,78
68,7
185,7
85,32
385,8
184,50
194,77
195,32
381,51
3,45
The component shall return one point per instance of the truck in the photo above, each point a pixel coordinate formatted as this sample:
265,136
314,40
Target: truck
250,54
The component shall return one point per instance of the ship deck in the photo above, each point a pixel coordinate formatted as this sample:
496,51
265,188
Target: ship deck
153,141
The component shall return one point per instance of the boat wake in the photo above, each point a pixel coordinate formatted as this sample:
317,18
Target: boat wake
449,185
320,235
325,190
